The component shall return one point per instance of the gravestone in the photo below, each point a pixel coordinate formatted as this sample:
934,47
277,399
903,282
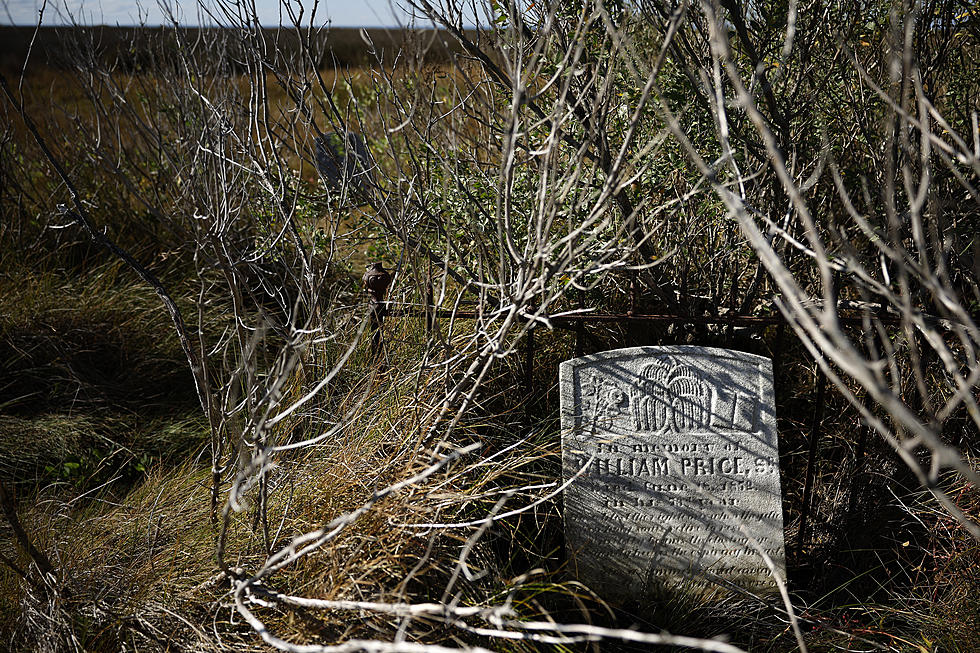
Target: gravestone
674,469
344,158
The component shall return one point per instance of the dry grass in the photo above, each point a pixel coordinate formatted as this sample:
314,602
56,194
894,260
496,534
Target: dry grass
113,482
128,566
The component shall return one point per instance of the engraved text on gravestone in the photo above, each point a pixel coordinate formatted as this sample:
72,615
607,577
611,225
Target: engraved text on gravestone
674,464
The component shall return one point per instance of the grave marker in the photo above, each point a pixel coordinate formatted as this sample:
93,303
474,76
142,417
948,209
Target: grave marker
677,468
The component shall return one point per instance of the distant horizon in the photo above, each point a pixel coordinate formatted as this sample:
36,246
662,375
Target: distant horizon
366,14
416,26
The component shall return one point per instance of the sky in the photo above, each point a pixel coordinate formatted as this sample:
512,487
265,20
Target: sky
340,13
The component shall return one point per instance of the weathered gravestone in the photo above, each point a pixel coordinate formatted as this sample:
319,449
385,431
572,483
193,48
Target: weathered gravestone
674,464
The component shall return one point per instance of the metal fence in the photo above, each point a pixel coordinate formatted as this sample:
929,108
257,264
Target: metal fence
579,322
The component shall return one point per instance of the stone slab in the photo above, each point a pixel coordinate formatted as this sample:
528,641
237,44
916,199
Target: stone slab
674,462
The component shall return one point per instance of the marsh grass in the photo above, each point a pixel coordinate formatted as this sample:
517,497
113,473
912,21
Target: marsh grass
135,558
102,438
129,564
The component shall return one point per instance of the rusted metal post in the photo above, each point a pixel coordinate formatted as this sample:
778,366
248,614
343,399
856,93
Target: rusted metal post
811,461
430,313
858,471
777,348
377,334
376,281
430,308
632,310
632,327
529,360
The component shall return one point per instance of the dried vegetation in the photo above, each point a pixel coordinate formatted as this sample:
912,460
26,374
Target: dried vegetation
202,450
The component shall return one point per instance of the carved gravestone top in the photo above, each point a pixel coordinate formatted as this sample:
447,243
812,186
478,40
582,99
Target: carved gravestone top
674,469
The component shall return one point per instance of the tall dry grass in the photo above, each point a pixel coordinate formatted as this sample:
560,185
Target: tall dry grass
110,461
